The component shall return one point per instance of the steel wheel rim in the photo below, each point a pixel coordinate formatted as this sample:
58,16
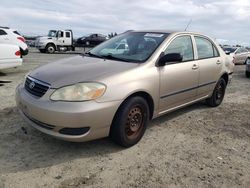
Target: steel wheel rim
219,93
51,49
134,123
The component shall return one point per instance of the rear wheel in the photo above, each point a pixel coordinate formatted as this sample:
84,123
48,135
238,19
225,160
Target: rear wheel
130,122
218,94
50,48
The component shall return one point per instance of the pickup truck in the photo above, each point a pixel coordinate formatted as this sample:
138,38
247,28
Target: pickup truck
56,40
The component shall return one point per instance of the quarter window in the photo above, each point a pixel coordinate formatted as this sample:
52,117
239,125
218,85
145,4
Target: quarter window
182,45
205,48
2,32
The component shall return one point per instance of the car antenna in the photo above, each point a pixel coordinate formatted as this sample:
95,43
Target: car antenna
189,23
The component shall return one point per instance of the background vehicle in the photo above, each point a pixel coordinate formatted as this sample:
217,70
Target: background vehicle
240,54
91,40
157,72
10,56
57,40
10,36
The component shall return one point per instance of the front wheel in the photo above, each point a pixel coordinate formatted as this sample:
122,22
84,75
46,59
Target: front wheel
50,49
218,94
130,122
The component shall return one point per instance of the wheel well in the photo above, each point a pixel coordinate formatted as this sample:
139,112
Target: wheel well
147,97
225,77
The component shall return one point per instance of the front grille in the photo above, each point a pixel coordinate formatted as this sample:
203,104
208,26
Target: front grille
36,87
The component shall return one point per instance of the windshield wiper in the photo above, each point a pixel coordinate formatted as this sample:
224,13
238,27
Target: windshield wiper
93,55
110,56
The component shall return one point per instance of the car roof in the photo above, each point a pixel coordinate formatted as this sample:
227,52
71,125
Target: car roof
169,32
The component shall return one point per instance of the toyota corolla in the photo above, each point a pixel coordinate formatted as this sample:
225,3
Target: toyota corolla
115,92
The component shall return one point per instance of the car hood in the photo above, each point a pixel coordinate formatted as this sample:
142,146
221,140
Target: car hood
44,38
79,69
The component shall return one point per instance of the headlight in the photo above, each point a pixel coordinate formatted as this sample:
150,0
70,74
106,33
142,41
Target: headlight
79,92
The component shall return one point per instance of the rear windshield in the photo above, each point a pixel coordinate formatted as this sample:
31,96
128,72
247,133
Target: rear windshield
230,50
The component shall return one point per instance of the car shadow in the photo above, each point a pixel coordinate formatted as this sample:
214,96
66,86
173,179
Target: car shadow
24,148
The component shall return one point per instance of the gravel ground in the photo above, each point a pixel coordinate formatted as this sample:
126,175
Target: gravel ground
196,146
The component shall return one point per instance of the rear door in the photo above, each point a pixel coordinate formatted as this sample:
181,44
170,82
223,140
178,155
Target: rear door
210,65
68,38
178,80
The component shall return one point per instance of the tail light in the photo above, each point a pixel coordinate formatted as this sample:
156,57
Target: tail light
18,53
21,39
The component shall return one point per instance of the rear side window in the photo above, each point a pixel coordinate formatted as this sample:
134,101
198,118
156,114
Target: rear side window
2,32
182,45
16,33
205,48
68,34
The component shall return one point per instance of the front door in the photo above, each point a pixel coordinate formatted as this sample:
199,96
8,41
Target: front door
179,81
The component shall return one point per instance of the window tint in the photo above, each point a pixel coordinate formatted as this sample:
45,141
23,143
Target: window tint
239,51
68,34
59,34
216,53
243,50
205,48
182,45
2,32
16,33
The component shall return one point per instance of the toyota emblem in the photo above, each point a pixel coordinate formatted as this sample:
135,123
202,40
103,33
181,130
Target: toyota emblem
32,85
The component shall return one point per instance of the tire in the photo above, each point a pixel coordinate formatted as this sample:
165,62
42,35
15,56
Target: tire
42,50
247,74
50,48
130,122
248,59
218,94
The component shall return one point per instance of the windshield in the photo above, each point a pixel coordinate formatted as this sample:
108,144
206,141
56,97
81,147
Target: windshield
130,47
52,33
230,50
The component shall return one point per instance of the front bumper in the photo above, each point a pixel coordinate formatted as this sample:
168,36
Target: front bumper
52,117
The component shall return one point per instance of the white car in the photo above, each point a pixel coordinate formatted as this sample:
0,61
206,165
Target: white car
10,56
10,36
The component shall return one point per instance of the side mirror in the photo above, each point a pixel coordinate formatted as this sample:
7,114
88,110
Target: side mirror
169,58
227,52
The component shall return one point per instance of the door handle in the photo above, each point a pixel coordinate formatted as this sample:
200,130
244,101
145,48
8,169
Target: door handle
218,62
195,67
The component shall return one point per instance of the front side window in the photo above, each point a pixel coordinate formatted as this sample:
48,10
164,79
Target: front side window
182,45
2,32
205,48
131,46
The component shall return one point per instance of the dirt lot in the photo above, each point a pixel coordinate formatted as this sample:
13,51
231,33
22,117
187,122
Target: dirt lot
196,146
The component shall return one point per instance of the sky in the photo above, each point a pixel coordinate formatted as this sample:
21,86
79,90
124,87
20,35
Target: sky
225,20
